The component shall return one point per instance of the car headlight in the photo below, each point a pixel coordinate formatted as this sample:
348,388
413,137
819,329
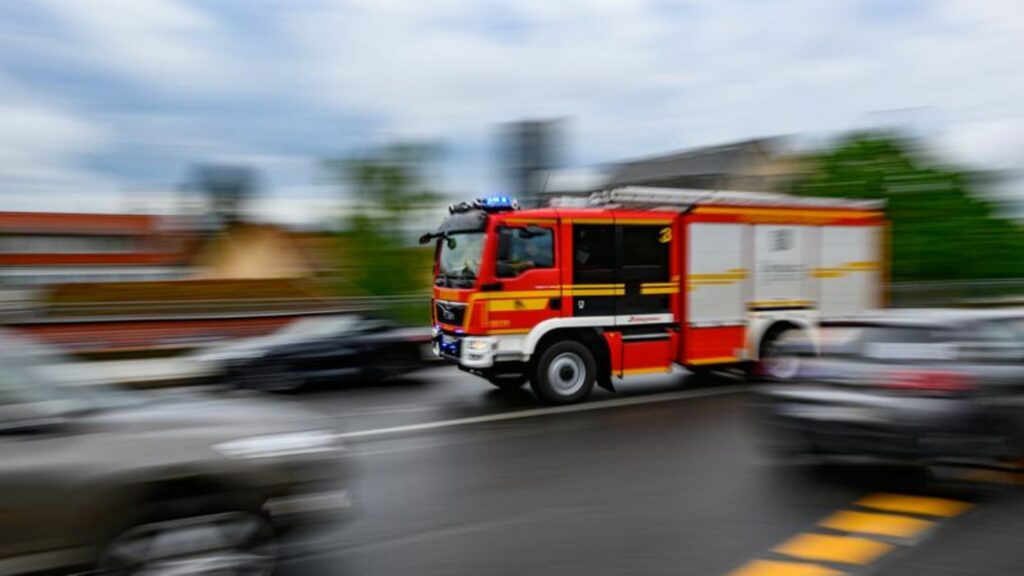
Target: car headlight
290,444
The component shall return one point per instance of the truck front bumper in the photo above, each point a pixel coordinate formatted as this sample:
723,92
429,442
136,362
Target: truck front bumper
466,351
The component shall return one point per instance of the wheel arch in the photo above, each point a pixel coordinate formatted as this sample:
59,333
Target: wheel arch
763,330
591,337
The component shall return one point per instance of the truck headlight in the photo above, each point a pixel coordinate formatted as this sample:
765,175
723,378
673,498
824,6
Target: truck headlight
289,444
478,345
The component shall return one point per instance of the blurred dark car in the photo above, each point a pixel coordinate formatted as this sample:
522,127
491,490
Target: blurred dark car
913,386
99,480
318,348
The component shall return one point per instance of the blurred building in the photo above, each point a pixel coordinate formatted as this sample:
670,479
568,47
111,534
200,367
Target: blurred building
254,251
529,152
759,165
42,248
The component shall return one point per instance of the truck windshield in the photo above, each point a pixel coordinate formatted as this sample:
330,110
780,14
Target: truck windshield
458,263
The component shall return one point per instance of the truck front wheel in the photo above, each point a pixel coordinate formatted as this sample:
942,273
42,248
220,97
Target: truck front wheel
565,373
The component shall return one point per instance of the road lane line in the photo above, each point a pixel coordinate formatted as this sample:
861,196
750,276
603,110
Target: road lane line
536,412
824,548
777,568
865,536
876,524
924,505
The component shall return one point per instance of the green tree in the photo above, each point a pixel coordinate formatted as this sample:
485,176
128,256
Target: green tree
226,189
379,256
940,231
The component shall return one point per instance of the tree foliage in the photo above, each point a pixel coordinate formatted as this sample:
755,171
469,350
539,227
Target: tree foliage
388,184
226,189
940,231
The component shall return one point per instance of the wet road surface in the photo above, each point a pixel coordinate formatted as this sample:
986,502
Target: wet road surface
455,477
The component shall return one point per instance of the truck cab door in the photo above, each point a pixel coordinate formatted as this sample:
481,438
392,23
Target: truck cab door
528,288
645,269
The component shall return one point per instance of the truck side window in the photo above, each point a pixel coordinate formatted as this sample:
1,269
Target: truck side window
524,249
593,254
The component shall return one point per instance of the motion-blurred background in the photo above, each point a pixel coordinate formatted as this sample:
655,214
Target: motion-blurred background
172,158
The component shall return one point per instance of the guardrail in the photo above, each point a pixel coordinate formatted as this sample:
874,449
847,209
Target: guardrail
1003,291
903,294
195,309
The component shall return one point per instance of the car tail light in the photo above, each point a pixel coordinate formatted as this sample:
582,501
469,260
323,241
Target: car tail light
940,381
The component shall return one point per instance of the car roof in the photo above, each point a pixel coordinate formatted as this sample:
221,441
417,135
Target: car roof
929,317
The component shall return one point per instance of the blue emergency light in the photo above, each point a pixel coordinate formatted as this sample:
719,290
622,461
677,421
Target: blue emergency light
497,203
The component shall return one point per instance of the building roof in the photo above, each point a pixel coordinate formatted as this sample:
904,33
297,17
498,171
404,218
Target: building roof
68,223
706,161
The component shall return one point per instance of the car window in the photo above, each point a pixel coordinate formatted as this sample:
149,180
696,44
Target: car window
320,326
1014,327
907,343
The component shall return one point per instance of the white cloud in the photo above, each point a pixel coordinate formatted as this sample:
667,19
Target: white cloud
635,76
165,45
41,152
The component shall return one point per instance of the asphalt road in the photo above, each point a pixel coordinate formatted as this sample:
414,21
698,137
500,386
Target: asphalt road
665,477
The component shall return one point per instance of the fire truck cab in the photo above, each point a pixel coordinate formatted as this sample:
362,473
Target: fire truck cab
636,280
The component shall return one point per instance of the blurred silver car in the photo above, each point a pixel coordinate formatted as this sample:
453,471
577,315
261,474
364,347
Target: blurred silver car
914,386
97,479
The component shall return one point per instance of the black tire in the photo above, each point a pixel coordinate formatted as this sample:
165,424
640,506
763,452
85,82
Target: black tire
393,366
772,365
564,373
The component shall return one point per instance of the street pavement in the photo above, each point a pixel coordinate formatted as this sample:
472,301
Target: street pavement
455,477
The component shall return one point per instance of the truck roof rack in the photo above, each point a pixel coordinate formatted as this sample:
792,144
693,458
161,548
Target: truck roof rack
679,199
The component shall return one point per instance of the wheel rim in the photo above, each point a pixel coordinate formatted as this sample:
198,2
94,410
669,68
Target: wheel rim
567,373
236,544
780,367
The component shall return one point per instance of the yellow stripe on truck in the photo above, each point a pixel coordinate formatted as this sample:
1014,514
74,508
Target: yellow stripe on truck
517,304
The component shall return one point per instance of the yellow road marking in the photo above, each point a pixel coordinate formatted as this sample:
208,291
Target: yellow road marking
775,568
879,524
845,549
915,504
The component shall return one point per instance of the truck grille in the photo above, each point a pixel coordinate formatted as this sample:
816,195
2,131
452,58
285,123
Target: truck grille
449,312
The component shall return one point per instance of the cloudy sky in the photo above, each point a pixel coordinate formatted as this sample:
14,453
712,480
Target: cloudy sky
102,101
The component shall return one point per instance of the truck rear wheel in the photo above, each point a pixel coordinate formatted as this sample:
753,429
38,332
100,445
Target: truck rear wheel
779,361
565,373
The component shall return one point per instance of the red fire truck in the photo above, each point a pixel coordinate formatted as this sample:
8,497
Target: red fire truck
634,280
